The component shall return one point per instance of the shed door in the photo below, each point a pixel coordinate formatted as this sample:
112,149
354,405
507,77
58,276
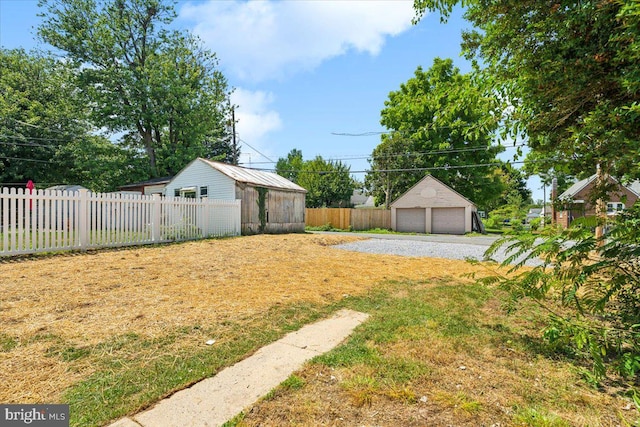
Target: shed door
411,220
447,220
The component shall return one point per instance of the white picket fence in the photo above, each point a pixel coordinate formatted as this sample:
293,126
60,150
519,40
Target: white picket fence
47,221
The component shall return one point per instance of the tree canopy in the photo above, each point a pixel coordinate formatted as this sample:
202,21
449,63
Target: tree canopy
440,123
290,166
45,132
328,182
569,73
161,88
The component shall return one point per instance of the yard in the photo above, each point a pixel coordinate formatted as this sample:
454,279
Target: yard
112,331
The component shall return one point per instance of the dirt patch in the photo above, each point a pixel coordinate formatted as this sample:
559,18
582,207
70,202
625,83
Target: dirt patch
90,298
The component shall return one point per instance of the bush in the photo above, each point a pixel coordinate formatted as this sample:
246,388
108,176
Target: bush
598,282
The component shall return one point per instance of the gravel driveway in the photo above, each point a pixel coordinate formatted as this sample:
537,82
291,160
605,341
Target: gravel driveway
432,246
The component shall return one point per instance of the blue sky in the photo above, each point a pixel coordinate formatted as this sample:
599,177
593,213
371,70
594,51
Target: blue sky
302,70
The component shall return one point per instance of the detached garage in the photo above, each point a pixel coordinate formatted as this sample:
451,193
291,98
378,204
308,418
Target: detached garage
432,207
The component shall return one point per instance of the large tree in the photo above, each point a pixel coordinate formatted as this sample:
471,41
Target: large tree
568,69
290,166
328,182
440,123
45,132
160,87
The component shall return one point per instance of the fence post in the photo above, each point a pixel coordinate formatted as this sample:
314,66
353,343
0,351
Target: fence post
156,213
83,219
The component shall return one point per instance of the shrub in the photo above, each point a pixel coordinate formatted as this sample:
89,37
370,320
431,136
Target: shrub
598,282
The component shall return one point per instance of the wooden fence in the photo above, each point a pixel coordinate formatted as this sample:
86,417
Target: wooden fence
343,218
46,221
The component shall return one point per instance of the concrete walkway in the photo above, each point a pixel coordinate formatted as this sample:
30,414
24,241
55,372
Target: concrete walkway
216,400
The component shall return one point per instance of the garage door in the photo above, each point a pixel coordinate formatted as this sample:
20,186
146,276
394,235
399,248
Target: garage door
411,220
447,220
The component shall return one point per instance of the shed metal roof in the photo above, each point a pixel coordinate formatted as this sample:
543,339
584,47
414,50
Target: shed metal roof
253,176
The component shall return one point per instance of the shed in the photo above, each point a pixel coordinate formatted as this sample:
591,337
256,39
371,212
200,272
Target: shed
284,201
430,206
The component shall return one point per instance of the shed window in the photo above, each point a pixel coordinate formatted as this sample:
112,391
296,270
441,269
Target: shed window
204,191
176,192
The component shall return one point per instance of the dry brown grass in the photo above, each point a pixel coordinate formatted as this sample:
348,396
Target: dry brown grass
89,298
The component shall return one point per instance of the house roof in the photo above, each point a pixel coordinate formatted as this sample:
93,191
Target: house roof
253,176
570,192
66,187
152,181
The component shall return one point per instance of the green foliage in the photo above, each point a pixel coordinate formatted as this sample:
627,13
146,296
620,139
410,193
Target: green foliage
290,166
262,207
45,130
597,282
328,183
568,73
513,181
161,88
513,213
441,124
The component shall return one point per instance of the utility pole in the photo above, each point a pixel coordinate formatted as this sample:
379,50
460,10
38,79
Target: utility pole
234,144
601,208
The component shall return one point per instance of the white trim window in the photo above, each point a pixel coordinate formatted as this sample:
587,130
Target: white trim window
614,207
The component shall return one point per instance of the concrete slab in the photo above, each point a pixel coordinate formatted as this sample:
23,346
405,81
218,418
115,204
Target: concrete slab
214,401
125,422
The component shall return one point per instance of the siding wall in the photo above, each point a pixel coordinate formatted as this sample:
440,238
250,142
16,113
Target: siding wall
198,174
285,210
431,193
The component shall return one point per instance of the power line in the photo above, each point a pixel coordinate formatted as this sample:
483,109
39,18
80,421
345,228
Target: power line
422,169
36,126
416,154
26,160
26,144
254,149
34,138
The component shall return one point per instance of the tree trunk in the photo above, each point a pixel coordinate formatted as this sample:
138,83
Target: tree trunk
147,139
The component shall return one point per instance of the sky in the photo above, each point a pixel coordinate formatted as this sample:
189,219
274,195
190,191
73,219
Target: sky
304,73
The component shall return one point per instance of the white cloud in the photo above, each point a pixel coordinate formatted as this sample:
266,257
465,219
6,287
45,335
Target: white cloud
259,40
256,119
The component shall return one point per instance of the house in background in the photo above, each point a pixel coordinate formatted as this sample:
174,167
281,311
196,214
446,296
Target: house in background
430,206
574,202
70,188
284,201
147,188
360,200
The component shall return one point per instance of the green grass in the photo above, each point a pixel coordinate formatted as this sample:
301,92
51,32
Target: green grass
132,371
413,343
412,325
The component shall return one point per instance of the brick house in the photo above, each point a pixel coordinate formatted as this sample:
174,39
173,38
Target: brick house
575,201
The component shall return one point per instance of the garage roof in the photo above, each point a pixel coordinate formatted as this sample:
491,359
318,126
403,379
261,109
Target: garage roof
414,195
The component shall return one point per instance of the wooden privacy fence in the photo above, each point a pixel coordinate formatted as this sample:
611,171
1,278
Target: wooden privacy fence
344,218
58,220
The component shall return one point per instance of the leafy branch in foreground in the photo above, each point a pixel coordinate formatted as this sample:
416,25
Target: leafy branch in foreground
597,284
